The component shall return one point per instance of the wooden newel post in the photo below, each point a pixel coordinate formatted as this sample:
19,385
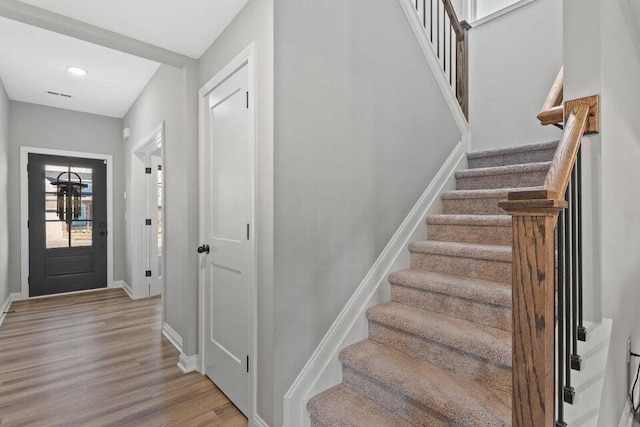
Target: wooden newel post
534,223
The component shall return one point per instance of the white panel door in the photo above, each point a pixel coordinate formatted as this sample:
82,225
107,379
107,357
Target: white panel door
228,212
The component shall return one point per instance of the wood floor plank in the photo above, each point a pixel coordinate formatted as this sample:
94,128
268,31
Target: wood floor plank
99,359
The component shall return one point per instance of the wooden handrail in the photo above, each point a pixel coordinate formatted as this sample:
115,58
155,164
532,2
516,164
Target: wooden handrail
535,216
458,26
560,171
552,111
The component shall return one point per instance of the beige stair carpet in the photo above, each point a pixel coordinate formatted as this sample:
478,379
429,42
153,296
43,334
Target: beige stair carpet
439,353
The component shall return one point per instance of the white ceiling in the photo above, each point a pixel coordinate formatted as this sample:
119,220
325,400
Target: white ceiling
33,61
188,27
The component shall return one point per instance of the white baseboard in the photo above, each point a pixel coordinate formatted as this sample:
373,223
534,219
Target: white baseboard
323,369
5,307
259,422
173,337
121,284
188,364
185,363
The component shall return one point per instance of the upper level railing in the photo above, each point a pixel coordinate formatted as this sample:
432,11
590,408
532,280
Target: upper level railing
450,43
547,272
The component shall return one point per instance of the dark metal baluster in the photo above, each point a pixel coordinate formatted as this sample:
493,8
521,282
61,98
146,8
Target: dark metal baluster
424,13
560,338
444,41
569,392
438,25
431,19
450,55
576,360
582,331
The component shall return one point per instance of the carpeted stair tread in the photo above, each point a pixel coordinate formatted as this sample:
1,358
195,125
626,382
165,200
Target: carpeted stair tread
503,170
341,406
487,343
497,193
477,220
461,401
461,287
462,250
513,155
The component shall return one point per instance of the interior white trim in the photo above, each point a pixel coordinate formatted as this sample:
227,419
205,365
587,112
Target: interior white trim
428,50
124,286
7,305
323,370
38,17
188,364
259,422
247,56
173,337
139,159
24,209
626,419
499,13
589,383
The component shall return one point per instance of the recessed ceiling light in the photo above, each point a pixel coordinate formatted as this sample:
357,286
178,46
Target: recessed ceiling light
77,71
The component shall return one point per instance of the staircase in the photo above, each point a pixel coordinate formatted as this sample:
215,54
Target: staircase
439,353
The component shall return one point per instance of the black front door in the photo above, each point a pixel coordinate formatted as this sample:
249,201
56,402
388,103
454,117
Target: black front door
67,224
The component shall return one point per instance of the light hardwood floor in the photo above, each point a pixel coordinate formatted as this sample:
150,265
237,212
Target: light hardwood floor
99,359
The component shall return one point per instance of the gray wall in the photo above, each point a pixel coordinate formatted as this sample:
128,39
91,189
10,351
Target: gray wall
361,129
512,66
4,196
46,127
164,99
255,24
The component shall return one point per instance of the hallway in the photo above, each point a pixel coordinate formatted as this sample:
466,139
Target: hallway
99,359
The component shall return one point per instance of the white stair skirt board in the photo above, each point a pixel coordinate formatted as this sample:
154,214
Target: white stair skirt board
626,420
432,59
259,422
323,369
188,364
589,382
7,305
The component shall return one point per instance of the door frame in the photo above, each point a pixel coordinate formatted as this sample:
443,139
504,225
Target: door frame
24,211
139,156
246,57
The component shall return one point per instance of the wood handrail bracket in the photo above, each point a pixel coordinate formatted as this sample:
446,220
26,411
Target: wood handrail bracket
535,215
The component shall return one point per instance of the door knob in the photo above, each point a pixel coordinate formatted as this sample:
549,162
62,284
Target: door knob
203,249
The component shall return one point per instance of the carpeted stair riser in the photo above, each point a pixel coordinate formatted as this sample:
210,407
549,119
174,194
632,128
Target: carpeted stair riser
491,315
482,206
472,351
397,382
482,234
344,406
497,271
400,405
472,180
542,153
465,365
